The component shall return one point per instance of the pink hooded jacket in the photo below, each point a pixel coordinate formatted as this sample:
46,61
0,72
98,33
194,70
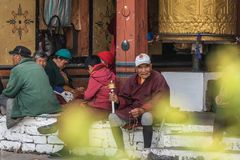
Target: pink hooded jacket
97,92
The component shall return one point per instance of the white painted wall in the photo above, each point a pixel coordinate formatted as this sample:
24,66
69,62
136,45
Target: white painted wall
188,89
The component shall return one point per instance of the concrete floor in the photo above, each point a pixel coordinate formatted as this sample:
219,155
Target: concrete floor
16,156
19,156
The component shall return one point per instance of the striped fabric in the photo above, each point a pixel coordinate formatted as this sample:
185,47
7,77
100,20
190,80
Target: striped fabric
61,8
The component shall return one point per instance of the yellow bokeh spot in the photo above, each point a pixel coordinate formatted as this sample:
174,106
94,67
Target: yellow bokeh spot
75,122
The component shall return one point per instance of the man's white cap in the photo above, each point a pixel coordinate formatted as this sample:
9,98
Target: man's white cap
142,58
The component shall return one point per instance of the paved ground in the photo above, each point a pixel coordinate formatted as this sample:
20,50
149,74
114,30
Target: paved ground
16,156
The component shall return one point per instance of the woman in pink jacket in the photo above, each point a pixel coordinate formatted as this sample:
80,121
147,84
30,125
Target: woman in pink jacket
97,92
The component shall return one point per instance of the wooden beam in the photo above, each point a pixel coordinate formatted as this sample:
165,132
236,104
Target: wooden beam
83,36
131,26
238,17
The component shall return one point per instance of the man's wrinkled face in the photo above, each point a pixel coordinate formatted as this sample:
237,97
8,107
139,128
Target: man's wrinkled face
16,59
144,70
41,61
61,62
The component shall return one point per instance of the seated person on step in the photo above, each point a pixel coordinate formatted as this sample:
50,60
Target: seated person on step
135,101
108,59
58,78
97,92
28,92
40,58
95,107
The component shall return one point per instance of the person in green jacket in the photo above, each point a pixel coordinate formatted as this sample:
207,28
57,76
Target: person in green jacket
55,66
28,92
59,80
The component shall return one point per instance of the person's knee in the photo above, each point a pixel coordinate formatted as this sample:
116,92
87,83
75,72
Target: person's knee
147,119
114,120
10,102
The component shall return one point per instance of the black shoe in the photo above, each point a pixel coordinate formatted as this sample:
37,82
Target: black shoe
48,129
64,152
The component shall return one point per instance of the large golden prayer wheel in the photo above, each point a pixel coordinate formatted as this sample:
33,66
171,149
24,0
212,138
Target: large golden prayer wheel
182,20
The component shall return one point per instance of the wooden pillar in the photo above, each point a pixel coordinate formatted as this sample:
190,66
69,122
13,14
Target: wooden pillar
238,18
83,36
132,27
81,22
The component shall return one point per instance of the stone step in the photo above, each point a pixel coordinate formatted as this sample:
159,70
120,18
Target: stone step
182,153
194,122
202,140
172,128
24,136
193,133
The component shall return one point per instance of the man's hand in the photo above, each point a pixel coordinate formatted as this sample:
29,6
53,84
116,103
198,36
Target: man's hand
136,112
80,90
113,97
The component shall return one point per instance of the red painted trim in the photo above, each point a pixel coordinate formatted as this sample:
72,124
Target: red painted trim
132,26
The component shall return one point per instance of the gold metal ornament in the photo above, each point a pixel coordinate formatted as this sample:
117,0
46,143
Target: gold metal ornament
111,85
182,20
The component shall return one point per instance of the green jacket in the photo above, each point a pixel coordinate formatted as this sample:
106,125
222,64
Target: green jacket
29,86
54,74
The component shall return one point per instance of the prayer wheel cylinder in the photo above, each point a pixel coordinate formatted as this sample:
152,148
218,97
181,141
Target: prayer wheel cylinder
181,20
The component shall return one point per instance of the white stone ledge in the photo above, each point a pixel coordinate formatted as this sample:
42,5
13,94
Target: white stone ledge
54,140
25,137
39,139
28,147
10,145
44,148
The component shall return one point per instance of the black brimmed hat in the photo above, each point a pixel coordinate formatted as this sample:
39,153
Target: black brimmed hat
22,51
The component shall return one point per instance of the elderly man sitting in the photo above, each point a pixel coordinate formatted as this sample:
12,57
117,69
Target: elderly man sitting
28,91
135,101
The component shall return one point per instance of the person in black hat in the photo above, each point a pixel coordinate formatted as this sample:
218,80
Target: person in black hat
19,53
28,91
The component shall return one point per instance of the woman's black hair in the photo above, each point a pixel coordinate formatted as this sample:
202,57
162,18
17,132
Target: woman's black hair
92,61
